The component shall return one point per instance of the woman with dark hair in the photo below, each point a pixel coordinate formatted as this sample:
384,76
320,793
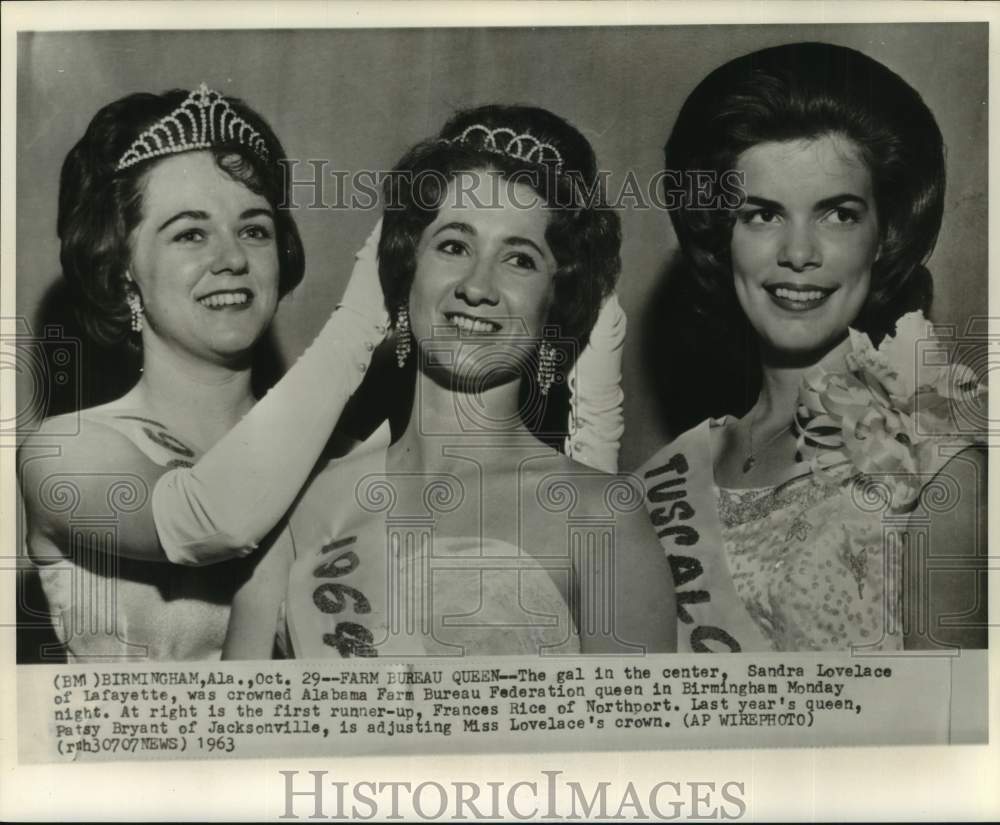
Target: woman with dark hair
174,237
778,525
467,535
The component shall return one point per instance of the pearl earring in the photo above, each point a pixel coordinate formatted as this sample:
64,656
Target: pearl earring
546,366
134,302
403,337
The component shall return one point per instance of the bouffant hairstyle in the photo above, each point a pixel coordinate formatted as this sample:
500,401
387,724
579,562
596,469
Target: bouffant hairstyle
584,235
805,91
100,206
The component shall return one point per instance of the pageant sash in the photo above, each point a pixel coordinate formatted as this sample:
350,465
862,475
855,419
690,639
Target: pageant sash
680,498
373,577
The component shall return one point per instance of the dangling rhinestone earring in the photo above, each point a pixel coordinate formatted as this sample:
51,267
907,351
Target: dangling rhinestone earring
546,366
403,337
134,302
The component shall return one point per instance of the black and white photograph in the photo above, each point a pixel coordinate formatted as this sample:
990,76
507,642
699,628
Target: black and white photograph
480,387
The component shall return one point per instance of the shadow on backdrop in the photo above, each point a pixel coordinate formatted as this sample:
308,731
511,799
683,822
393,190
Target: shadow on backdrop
697,366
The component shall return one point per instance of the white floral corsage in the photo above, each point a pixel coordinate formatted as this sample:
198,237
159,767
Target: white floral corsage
887,411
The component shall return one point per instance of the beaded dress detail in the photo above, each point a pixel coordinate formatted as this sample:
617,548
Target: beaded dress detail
811,568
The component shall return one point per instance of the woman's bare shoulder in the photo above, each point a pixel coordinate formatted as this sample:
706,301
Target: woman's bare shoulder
85,430
79,445
594,492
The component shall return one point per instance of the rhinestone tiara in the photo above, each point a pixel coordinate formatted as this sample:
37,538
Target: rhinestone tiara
505,141
204,119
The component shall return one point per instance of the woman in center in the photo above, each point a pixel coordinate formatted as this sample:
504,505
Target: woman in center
467,535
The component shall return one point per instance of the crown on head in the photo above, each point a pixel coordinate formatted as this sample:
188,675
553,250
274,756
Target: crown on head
204,119
505,141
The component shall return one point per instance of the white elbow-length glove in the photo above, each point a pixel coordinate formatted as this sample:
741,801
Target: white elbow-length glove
596,418
239,490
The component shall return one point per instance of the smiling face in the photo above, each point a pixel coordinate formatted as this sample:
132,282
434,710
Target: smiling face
484,279
204,258
804,243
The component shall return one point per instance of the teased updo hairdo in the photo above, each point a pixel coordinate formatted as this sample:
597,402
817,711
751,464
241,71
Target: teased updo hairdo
583,233
100,207
805,91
